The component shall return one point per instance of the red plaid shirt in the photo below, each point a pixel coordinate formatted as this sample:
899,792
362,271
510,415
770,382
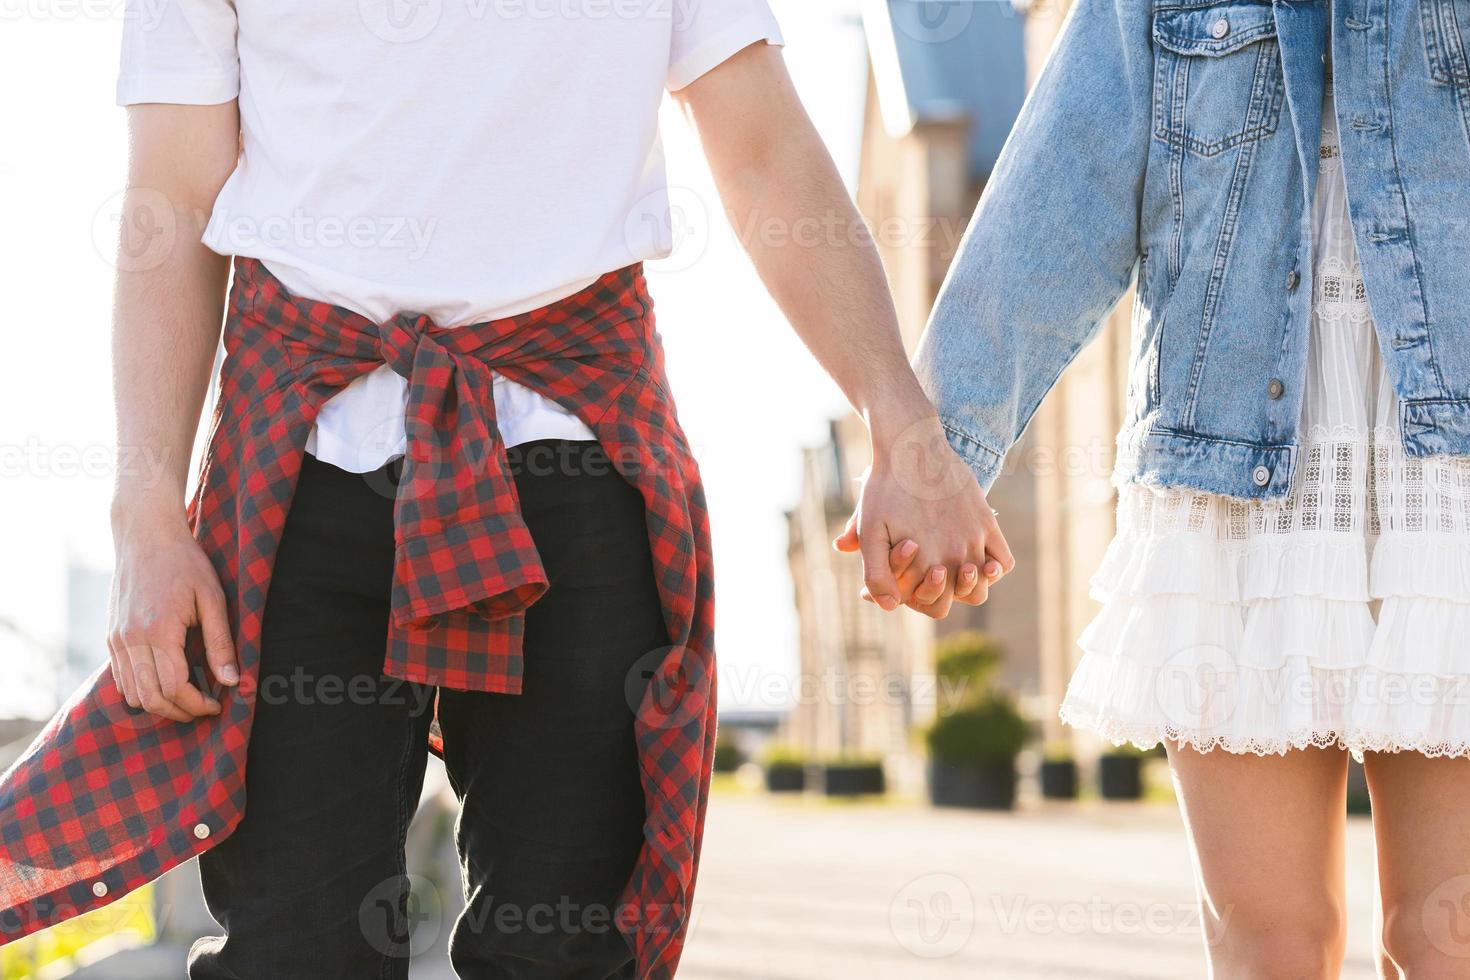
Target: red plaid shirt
109,798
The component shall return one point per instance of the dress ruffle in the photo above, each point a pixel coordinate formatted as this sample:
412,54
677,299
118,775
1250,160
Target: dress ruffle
1272,643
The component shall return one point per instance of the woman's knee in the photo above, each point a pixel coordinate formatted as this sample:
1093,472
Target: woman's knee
1296,944
1426,939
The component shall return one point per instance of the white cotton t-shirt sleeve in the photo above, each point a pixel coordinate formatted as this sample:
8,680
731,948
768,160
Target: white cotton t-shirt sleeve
707,32
180,51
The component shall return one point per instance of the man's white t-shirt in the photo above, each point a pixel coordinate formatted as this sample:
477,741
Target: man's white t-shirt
466,159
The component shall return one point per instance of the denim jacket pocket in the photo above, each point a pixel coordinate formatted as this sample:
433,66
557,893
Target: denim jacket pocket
1217,75
1444,24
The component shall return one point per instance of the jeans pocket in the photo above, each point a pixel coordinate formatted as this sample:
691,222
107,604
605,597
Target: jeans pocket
1443,23
1217,75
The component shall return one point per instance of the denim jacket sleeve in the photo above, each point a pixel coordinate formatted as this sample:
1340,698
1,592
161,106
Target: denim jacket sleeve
1054,239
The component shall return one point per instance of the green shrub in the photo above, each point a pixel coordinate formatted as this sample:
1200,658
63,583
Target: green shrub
783,756
1058,751
991,728
852,758
969,658
728,756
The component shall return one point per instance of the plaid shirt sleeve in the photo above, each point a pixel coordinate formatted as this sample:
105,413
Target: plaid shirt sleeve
109,798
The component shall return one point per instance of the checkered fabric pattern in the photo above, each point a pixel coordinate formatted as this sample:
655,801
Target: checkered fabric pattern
109,798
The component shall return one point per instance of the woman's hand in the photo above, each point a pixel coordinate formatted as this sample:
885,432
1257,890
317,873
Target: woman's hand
926,534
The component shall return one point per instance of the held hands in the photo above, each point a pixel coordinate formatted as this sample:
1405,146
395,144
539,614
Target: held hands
928,538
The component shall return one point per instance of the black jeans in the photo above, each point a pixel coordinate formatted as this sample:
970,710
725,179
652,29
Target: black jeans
312,885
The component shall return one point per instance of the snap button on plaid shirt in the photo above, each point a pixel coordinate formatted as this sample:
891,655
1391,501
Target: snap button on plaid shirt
109,798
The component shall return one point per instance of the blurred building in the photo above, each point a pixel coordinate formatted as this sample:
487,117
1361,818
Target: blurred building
946,80
87,595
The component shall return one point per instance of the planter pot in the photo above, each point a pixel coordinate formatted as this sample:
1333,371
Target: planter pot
861,779
988,784
1120,777
785,779
1059,779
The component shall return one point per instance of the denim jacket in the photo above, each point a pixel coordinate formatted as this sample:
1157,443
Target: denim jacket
1173,144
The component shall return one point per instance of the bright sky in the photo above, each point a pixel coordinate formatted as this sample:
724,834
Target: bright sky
749,394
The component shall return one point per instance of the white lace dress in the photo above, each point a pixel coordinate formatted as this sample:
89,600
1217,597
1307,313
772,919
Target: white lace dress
1339,616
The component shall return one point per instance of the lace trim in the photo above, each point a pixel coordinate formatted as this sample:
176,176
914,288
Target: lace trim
1144,736
1342,297
1424,745
1148,736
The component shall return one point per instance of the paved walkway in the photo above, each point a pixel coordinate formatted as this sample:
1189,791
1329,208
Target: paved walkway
805,889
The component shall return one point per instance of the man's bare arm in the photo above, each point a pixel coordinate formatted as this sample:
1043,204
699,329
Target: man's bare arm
774,174
167,312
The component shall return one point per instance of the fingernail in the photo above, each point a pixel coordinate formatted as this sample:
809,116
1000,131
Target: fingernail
908,548
992,570
886,601
968,572
228,674
936,576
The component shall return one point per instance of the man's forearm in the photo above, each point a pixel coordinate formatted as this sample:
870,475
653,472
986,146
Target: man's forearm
808,243
167,311
165,331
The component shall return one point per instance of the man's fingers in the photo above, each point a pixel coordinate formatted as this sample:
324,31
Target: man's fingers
877,578
932,587
901,556
848,539
173,681
122,671
214,624
150,690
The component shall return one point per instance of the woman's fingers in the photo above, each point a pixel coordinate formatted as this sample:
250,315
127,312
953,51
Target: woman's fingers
902,556
932,587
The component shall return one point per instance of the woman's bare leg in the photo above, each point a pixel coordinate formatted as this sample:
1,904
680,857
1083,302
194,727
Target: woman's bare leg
1421,819
1266,835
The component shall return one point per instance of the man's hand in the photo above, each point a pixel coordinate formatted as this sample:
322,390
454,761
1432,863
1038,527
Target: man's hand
928,538
163,585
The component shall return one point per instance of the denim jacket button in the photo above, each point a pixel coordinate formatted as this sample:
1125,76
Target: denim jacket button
1293,278
1261,476
1220,27
1275,388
